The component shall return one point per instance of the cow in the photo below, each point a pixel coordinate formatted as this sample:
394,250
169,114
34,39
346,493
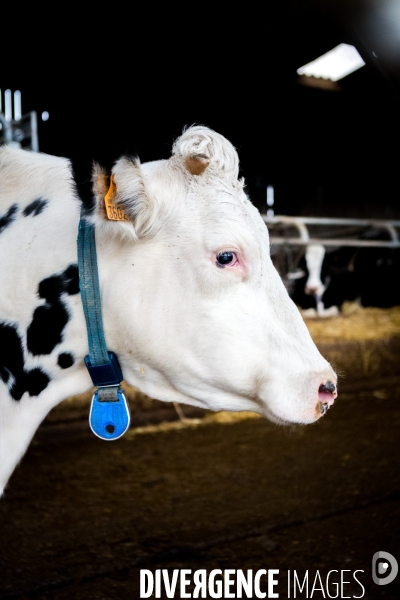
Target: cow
359,274
192,305
308,291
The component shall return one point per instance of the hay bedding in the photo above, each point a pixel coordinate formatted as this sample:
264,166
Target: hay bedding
356,323
362,344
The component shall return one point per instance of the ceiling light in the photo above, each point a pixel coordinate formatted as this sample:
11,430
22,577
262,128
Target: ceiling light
335,64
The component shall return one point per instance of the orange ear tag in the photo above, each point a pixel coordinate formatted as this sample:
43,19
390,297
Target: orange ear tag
114,213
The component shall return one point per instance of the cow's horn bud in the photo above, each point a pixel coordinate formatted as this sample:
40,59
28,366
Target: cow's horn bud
197,163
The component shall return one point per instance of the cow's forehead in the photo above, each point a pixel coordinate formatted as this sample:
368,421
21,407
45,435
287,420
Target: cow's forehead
230,203
218,201
152,167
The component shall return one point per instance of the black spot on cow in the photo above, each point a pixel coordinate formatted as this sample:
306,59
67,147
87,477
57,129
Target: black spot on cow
71,280
49,319
4,374
36,381
12,365
65,360
9,217
35,207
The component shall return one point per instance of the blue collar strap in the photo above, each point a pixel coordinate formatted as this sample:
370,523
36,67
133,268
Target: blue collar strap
109,414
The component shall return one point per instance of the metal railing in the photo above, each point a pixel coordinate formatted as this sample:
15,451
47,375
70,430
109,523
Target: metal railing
22,133
332,232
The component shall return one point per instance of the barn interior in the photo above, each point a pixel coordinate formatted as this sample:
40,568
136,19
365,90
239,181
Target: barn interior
187,488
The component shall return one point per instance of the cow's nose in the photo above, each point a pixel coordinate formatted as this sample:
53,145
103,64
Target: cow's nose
312,290
329,387
327,393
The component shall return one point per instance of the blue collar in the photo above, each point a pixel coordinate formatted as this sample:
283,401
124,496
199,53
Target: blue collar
109,414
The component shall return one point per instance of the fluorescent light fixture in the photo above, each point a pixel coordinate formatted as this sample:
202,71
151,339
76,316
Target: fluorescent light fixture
335,64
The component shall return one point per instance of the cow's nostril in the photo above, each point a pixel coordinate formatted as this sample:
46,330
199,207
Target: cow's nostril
328,387
311,291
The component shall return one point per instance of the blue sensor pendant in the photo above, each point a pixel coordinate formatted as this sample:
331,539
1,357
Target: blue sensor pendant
109,418
109,413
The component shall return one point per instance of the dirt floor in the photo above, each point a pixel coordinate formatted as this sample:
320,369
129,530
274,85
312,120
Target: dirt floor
81,517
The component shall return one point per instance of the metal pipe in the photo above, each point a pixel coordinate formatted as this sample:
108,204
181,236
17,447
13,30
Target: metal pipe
390,229
17,106
293,221
8,105
292,241
328,221
388,226
7,129
34,132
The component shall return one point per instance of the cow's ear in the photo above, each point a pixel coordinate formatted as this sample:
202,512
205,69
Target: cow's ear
121,195
203,151
196,164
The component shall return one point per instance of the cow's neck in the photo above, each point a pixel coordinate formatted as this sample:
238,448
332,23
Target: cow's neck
135,279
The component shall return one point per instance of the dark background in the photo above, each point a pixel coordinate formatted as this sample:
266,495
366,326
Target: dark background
128,80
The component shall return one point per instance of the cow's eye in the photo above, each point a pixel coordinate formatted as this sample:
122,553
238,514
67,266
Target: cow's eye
226,258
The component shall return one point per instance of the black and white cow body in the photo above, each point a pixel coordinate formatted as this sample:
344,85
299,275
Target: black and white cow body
332,276
42,331
191,302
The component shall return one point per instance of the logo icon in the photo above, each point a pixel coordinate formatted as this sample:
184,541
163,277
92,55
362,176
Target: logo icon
384,563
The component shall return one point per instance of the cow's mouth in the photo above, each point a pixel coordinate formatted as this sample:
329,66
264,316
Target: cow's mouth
327,393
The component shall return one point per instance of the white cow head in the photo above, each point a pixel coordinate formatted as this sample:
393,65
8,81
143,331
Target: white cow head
191,301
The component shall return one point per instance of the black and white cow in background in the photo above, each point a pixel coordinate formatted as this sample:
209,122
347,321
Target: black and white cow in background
191,302
364,275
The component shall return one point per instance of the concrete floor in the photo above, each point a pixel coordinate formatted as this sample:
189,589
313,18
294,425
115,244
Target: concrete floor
81,517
